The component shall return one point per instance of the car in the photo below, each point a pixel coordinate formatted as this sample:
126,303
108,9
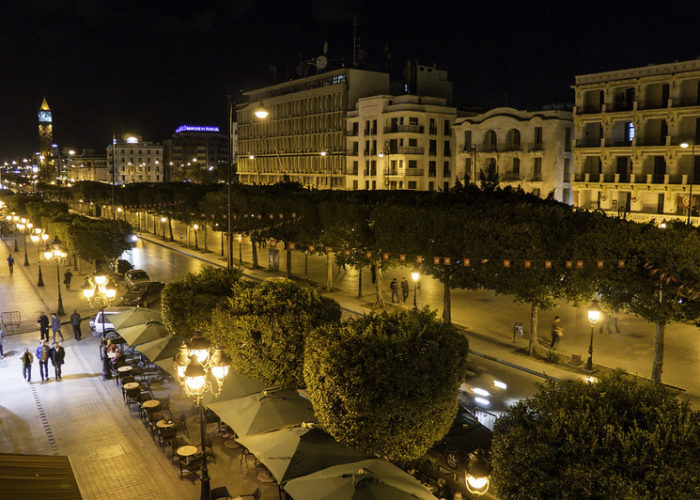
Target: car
466,435
98,326
143,293
118,267
133,276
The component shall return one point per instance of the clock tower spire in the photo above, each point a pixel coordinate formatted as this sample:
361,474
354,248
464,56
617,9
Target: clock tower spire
45,139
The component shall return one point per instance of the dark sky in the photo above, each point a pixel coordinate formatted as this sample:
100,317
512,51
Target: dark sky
148,66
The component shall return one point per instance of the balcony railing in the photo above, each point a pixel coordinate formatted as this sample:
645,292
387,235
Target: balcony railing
654,104
352,133
676,179
589,108
404,128
410,150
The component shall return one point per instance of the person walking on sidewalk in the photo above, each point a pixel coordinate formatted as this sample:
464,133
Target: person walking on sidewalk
10,263
75,323
2,343
557,332
56,327
27,359
58,356
404,289
394,286
43,353
43,326
67,277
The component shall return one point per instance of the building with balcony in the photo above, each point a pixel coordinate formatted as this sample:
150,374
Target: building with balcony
527,149
86,166
400,142
196,153
303,137
135,160
636,131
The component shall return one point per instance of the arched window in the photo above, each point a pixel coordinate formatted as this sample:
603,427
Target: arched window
490,141
513,139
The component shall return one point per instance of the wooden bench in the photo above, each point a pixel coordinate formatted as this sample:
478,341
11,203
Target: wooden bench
575,360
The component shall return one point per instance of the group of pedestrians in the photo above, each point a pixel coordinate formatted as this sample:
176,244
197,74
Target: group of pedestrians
394,287
44,353
55,324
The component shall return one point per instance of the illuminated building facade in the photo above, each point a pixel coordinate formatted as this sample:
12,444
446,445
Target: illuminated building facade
527,149
400,142
135,161
303,138
196,154
635,132
86,166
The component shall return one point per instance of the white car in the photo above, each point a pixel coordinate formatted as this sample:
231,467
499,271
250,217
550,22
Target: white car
98,326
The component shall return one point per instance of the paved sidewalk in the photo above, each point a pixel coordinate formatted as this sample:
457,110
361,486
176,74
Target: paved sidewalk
84,417
496,342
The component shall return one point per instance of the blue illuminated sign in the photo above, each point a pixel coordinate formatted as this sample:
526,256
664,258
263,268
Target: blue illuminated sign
195,128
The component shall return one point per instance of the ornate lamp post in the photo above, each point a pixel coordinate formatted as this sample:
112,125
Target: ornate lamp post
23,226
415,276
57,254
36,238
15,219
194,363
163,220
477,474
99,294
195,228
593,318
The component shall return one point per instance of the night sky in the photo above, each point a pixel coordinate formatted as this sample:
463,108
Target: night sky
148,66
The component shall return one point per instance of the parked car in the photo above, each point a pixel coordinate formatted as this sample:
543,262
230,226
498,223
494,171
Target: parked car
97,326
117,268
143,293
465,436
133,276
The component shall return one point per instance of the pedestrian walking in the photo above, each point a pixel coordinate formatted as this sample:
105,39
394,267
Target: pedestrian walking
10,263
609,323
67,277
75,323
404,289
56,327
43,353
557,332
27,359
58,356
43,322
2,343
394,286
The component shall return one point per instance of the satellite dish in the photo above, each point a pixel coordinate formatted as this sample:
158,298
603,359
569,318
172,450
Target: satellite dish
321,62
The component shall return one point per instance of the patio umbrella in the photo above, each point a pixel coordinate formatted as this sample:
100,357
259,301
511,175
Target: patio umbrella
140,334
167,365
235,386
133,317
298,451
366,480
264,412
163,348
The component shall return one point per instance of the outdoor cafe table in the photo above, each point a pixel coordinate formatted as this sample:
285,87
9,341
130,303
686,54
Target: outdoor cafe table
150,404
186,451
165,424
131,385
124,369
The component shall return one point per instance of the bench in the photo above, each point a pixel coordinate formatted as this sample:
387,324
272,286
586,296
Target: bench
575,360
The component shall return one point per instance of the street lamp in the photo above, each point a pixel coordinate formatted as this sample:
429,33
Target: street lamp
36,238
477,474
593,318
163,220
193,364
415,276
195,227
98,293
15,218
685,145
23,226
57,254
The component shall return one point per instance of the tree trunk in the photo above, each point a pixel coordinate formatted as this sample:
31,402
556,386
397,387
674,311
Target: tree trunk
306,264
532,343
204,232
255,252
170,228
329,274
657,366
447,302
359,281
289,263
378,288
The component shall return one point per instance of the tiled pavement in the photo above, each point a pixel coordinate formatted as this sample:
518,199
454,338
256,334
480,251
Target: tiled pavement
84,417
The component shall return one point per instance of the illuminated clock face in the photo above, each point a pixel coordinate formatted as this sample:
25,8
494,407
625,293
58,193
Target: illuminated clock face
45,116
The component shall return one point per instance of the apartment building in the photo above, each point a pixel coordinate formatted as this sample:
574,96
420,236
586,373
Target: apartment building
636,152
400,142
135,160
302,139
196,153
527,149
86,166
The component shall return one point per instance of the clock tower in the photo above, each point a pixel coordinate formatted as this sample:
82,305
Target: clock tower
45,138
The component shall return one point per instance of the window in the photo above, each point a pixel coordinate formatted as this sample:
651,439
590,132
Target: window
445,186
467,139
433,126
516,166
513,139
355,128
413,142
567,172
490,141
538,137
366,184
431,186
446,149
366,167
448,130
374,127
446,169
412,120
373,170
537,169
432,147
412,163
567,139
355,145
374,184
411,184
432,169
629,132
354,185
354,167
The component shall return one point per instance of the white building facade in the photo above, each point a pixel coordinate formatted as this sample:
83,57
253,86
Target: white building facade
135,161
527,149
400,142
637,132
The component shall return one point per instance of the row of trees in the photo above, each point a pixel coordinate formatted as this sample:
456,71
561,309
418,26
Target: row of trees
94,240
538,237
383,383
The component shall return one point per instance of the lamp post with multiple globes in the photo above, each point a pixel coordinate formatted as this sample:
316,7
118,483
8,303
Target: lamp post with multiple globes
593,318
57,255
100,294
36,238
195,365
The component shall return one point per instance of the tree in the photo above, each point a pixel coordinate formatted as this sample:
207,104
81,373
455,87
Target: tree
616,438
386,383
188,303
263,328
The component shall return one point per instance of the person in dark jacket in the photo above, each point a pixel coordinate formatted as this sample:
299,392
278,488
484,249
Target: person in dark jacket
67,278
404,289
55,327
394,286
43,353
75,323
43,322
58,356
27,359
